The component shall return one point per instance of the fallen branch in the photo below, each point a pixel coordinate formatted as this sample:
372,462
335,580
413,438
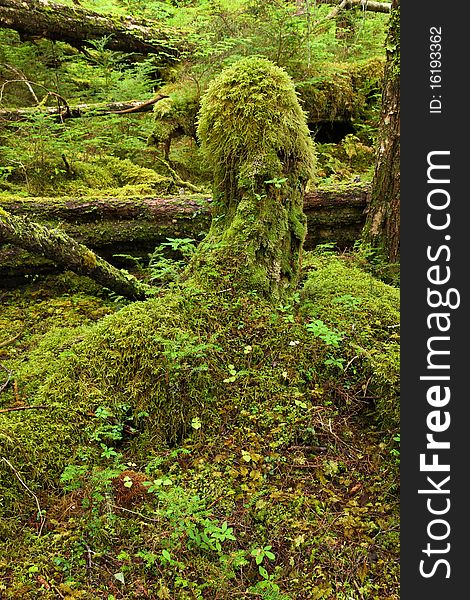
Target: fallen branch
14,408
4,385
40,512
80,110
177,179
11,340
378,7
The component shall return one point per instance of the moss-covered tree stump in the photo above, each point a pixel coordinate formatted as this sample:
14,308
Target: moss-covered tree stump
254,135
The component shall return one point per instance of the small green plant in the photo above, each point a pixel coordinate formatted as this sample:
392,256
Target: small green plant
327,249
333,361
277,182
164,269
322,331
395,452
185,246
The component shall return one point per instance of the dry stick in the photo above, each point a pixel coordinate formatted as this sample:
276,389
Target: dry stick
139,107
11,340
5,410
25,79
17,475
133,512
9,371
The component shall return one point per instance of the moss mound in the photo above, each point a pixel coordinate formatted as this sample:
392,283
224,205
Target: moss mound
344,92
114,176
366,311
137,379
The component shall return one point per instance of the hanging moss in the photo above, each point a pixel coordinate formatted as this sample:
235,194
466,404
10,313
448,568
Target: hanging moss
254,136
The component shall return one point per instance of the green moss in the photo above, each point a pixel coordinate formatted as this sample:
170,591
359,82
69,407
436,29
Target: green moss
114,176
343,92
176,115
255,138
227,399
156,365
367,310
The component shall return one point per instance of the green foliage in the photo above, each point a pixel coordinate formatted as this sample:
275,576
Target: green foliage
205,443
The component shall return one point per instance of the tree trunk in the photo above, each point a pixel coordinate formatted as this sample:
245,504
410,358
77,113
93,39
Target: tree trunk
64,250
80,110
382,227
76,26
378,7
134,226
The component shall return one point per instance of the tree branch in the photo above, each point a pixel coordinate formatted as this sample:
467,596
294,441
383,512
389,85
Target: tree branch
379,7
80,110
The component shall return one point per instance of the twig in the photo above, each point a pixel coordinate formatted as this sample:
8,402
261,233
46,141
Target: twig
89,562
11,340
133,512
9,371
5,410
177,179
24,78
17,475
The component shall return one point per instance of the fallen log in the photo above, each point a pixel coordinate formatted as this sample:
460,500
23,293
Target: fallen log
68,253
134,226
78,26
378,7
80,110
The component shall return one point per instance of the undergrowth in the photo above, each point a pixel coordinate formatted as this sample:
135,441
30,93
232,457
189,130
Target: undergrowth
203,446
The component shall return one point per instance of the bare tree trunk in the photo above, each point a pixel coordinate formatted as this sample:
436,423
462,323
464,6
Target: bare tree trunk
382,227
80,110
76,26
64,250
379,7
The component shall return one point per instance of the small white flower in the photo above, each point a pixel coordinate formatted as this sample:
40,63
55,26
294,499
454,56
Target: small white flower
294,343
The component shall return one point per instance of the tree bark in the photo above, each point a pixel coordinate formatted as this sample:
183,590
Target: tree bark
378,7
134,226
382,227
80,110
76,26
64,250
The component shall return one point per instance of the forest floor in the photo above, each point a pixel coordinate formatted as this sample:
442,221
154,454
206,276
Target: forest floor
295,498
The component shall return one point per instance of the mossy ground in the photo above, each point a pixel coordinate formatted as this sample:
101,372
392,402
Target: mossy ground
270,425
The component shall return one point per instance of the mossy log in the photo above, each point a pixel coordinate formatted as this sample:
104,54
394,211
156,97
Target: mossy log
77,26
64,250
134,226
